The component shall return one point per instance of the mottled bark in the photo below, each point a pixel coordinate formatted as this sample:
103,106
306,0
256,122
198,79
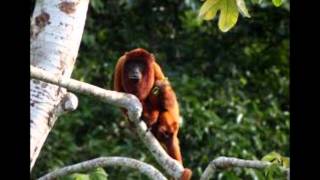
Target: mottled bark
226,162
55,36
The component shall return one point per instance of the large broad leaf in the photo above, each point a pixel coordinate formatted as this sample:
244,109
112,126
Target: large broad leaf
209,9
277,3
229,12
228,15
242,8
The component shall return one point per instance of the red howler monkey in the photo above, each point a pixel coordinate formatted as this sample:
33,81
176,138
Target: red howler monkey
135,73
138,73
165,125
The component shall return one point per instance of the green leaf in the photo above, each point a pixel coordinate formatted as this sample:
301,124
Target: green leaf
209,9
257,1
228,16
98,174
228,12
211,14
277,3
102,35
76,176
242,8
272,157
243,80
97,5
272,171
285,162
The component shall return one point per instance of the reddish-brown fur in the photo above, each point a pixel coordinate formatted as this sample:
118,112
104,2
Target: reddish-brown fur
160,106
164,120
165,125
143,87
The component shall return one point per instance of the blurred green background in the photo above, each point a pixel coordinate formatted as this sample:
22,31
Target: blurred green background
233,88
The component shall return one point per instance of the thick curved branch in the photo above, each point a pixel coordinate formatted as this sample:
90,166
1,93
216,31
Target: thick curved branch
123,100
225,162
142,167
127,101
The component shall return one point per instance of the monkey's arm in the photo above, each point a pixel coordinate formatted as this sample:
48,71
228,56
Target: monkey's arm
167,133
151,111
173,147
158,72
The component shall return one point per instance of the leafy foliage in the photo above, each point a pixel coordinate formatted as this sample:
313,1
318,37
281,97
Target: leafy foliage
276,158
277,161
272,171
277,3
96,174
232,88
242,8
229,11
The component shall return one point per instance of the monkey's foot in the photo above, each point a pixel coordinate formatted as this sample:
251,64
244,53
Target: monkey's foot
186,175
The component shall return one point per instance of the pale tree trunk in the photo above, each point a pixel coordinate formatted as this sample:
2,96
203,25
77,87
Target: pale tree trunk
56,31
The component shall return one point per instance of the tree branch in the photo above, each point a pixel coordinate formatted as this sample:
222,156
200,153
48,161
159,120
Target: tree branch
225,162
144,168
132,104
127,101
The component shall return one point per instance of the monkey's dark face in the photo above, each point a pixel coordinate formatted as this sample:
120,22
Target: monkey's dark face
138,75
135,69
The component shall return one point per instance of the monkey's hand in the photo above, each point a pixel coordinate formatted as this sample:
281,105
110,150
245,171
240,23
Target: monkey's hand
149,128
144,119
